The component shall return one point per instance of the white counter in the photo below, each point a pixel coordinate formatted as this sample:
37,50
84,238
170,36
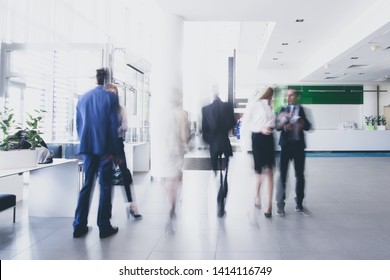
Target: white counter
348,140
338,140
53,188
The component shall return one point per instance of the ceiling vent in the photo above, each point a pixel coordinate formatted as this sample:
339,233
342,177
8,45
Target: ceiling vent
383,79
331,78
357,66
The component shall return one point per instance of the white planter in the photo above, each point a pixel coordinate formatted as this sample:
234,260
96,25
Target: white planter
381,127
18,159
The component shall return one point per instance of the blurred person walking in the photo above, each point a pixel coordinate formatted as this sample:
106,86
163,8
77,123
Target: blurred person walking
292,123
176,141
260,120
132,209
97,125
217,121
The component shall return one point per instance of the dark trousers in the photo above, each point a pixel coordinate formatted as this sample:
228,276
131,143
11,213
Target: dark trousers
95,165
127,180
218,163
126,174
291,151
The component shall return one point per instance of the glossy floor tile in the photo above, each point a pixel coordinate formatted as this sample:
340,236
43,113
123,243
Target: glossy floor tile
346,217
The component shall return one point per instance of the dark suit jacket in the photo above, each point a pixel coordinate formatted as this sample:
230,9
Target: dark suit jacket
217,120
97,122
285,134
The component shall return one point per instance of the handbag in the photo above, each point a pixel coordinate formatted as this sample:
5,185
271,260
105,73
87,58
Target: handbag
117,178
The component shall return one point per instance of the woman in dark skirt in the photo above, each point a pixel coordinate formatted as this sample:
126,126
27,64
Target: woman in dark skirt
125,172
261,122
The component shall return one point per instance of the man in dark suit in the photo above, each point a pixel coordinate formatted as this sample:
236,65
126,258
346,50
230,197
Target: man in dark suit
292,123
97,125
217,120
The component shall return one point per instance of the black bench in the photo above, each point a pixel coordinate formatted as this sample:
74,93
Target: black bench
7,201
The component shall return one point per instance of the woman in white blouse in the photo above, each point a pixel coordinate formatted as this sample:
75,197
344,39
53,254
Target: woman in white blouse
261,122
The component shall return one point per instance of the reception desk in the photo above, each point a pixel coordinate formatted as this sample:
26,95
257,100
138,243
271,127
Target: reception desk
52,188
348,140
337,140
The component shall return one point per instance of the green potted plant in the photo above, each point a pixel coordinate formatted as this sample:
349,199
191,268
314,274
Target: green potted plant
6,125
33,134
381,122
370,122
18,145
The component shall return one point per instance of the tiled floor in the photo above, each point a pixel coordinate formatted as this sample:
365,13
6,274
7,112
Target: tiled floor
347,217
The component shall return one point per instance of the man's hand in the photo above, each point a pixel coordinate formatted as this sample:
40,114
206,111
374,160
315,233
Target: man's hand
266,131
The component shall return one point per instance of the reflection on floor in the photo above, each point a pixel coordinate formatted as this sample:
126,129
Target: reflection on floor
347,217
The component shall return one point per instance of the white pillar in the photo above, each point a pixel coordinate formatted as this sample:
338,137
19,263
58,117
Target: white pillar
166,78
384,97
370,100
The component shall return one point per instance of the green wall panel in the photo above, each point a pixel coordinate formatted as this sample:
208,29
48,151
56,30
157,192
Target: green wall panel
332,95
319,94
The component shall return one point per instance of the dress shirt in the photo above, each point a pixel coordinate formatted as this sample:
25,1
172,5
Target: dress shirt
260,116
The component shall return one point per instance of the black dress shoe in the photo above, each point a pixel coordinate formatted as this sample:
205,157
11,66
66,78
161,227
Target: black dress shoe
221,213
268,214
172,213
108,232
77,233
221,208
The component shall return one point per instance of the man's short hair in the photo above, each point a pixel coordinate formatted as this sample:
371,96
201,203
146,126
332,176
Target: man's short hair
296,92
101,76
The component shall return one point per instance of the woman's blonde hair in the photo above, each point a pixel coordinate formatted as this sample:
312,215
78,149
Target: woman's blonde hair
269,92
112,88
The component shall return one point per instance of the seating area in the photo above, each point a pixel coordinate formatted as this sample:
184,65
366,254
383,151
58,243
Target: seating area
8,201
56,150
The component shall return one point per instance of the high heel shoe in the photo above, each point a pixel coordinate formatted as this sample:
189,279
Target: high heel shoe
134,215
268,214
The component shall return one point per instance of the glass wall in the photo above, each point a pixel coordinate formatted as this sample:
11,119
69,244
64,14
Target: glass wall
51,49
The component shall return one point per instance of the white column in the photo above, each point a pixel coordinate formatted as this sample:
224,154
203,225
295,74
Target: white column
166,79
369,100
384,97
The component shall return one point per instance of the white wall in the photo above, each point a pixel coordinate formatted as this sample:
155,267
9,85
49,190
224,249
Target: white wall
330,117
384,97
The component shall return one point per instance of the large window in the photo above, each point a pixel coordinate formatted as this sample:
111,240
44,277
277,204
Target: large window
51,49
50,80
133,85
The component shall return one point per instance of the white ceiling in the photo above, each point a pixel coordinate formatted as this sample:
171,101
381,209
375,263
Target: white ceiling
318,50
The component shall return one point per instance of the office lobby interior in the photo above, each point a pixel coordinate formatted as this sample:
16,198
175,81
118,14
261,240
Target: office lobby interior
345,218
335,52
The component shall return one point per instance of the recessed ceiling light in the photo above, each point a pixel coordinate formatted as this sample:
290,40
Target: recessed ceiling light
275,58
327,73
354,57
374,47
361,73
299,20
280,52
